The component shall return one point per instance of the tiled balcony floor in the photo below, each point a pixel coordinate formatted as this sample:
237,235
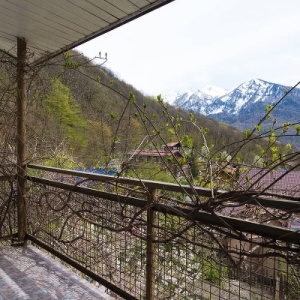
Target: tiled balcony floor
27,273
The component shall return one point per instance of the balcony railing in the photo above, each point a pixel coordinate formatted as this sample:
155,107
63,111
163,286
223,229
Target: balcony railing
8,215
153,240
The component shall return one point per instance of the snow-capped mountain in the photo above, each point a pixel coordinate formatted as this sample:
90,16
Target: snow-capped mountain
196,100
213,91
211,100
243,106
170,97
251,92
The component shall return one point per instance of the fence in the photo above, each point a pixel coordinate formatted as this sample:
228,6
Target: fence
150,240
8,221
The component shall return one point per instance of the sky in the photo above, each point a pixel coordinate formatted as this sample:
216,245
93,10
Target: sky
193,43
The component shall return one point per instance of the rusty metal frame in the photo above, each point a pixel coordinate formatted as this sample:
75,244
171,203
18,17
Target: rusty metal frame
202,216
21,139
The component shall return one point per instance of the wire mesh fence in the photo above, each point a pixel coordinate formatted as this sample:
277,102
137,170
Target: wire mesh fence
90,231
144,244
8,223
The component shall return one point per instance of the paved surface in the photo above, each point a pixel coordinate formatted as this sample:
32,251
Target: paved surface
28,273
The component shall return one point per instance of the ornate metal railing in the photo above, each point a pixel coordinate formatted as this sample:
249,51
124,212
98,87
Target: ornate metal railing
8,216
151,240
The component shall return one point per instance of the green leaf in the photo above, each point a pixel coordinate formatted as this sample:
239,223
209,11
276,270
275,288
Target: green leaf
187,141
274,149
258,128
182,161
247,133
131,97
160,99
288,146
171,131
272,136
192,118
268,116
269,107
113,115
285,127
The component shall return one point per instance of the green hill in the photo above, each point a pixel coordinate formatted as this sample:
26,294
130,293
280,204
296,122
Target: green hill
81,114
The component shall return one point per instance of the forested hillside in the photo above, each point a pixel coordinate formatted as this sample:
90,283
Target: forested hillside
81,115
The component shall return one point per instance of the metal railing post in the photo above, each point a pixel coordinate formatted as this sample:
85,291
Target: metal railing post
21,139
150,264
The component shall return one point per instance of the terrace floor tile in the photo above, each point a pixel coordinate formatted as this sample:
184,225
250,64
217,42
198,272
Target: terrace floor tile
28,273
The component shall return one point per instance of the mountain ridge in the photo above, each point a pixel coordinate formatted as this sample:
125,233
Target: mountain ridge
243,106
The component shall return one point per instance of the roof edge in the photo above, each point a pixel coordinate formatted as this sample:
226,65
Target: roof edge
127,19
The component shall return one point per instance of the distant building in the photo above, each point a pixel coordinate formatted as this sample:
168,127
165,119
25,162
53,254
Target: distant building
271,181
169,154
262,267
169,151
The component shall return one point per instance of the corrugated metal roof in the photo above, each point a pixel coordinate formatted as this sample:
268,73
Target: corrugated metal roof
51,27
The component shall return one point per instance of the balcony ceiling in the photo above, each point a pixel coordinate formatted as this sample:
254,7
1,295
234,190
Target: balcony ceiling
51,27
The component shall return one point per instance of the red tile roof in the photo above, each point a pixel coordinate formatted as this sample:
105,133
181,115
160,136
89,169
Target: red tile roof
155,153
173,144
278,181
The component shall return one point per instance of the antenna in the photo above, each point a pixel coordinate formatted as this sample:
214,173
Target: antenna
103,58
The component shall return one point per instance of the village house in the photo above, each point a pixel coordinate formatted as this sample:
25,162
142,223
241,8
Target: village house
279,181
166,153
254,264
170,155
268,269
